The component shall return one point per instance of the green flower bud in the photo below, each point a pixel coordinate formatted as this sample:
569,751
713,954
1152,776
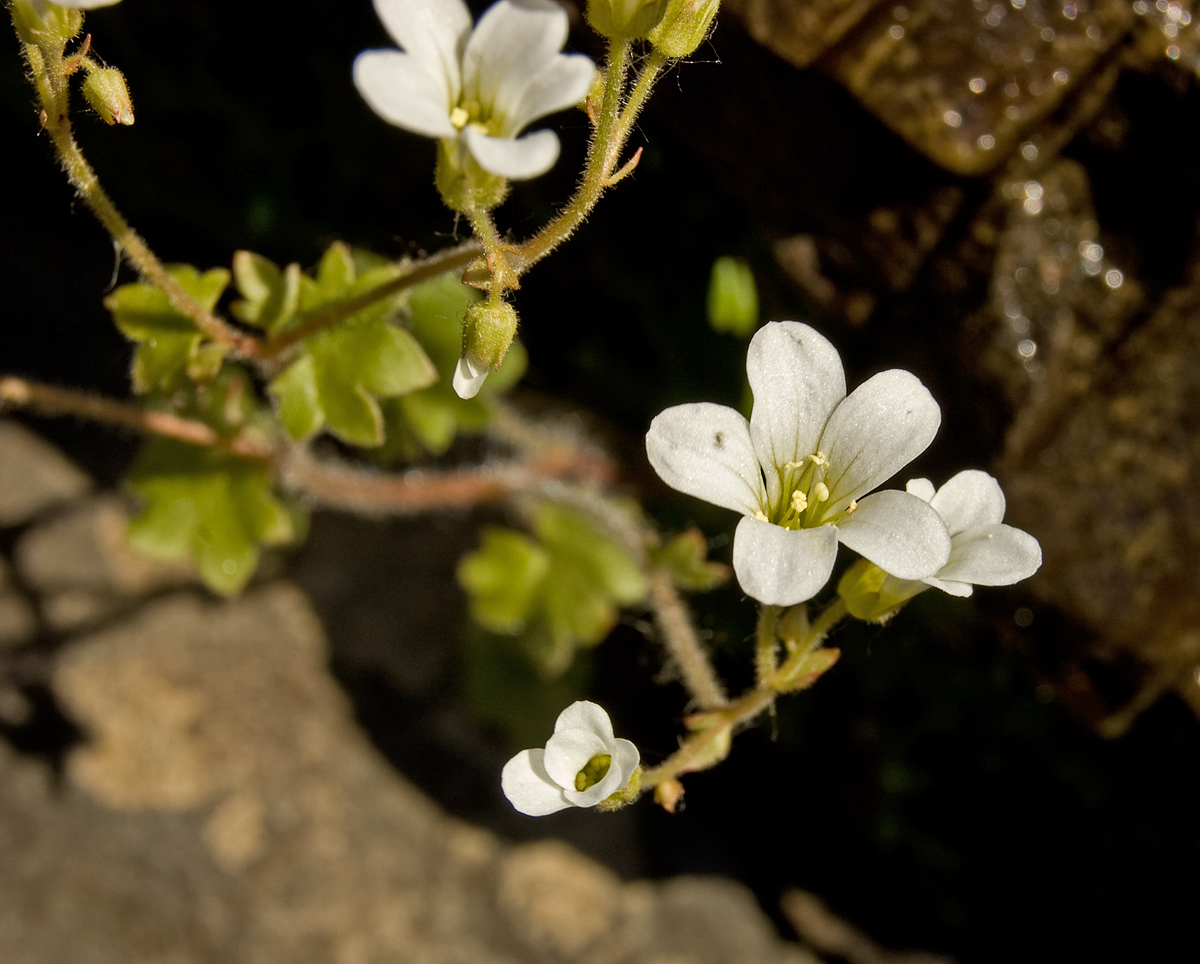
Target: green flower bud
106,91
628,19
462,183
872,595
45,24
488,330
732,298
684,26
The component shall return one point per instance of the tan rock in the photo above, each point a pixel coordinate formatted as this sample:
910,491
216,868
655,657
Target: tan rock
33,475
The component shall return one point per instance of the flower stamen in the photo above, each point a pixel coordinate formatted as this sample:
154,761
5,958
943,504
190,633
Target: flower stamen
593,771
799,502
459,118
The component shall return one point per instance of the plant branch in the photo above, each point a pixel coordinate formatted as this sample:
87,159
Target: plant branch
50,400
675,624
456,257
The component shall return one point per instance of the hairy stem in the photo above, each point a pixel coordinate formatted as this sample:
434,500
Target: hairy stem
456,257
766,644
50,400
675,624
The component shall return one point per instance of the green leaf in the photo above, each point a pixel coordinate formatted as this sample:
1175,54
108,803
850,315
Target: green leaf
270,297
207,506
342,371
559,592
167,340
685,558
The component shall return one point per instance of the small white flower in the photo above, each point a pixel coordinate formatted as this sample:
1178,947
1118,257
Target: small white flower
479,88
39,7
983,551
798,470
583,764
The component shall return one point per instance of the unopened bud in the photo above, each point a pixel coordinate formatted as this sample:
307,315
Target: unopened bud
488,330
684,26
106,91
873,596
627,19
732,297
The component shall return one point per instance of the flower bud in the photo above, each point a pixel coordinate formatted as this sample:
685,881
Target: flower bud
462,183
488,330
684,26
628,19
42,23
872,595
732,297
106,91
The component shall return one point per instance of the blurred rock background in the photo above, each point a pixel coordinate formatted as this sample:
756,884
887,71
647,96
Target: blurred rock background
1001,197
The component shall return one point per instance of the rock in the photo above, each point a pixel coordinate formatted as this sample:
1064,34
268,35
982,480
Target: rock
227,808
33,475
82,563
800,32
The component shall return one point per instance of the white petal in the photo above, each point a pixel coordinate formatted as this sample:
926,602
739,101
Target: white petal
468,377
625,760
782,567
85,4
512,43
922,488
520,158
432,31
606,787
568,752
704,450
586,715
797,380
562,83
992,555
529,788
878,429
404,91
972,498
962,589
898,532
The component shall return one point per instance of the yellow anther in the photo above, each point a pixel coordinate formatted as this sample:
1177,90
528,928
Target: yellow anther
793,465
818,458
459,118
852,506
820,492
799,501
761,516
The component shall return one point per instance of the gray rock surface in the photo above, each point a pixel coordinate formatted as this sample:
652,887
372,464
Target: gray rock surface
226,808
33,475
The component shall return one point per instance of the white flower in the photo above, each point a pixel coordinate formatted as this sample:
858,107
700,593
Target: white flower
40,7
983,551
479,88
800,466
583,764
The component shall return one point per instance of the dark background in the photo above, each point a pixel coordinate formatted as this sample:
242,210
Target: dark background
931,788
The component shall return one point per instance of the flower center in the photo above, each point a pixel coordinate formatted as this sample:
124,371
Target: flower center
593,771
470,113
804,494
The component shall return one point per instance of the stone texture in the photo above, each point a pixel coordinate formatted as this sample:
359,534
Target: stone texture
226,808
83,566
33,475
797,31
962,81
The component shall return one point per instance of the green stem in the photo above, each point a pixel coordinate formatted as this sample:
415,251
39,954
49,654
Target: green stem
766,644
49,75
638,94
431,267
833,614
603,152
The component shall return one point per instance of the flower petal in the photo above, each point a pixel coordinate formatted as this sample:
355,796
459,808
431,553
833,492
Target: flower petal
961,589
404,91
517,158
562,83
922,488
568,751
529,788
468,377
992,555
971,498
705,450
797,380
620,769
625,759
433,32
780,566
511,44
898,532
877,429
586,715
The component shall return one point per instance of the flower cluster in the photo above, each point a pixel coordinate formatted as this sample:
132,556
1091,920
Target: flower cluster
582,765
799,471
476,89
